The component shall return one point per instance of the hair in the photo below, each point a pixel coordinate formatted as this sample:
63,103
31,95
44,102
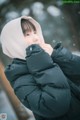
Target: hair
27,26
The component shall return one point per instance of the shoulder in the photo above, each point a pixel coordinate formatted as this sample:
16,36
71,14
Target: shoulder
16,69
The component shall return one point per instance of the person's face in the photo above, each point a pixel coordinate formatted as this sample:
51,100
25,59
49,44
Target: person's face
32,37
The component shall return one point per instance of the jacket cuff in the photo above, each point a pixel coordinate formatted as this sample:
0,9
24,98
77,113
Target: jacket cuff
32,49
61,53
56,50
37,59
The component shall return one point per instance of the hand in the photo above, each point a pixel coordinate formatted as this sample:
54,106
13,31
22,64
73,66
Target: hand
47,48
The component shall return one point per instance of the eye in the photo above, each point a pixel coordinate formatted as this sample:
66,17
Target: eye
27,34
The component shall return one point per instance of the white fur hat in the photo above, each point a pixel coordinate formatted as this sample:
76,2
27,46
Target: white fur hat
12,38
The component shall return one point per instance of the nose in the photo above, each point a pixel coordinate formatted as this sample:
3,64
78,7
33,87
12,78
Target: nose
35,37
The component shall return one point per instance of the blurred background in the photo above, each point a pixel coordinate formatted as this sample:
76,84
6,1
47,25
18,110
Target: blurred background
60,22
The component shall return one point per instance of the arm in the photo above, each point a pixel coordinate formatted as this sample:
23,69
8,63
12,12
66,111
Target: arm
45,90
51,82
69,63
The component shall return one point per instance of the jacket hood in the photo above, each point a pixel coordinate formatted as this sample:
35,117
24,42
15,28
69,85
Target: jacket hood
12,38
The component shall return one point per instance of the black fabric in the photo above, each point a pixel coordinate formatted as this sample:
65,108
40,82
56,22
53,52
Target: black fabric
41,84
68,62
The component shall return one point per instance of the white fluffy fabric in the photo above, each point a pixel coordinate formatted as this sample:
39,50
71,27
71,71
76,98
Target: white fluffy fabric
12,38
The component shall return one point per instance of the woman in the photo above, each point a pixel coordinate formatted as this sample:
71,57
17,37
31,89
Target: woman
38,73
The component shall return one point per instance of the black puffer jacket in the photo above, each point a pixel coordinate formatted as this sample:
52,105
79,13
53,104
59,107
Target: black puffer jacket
41,85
